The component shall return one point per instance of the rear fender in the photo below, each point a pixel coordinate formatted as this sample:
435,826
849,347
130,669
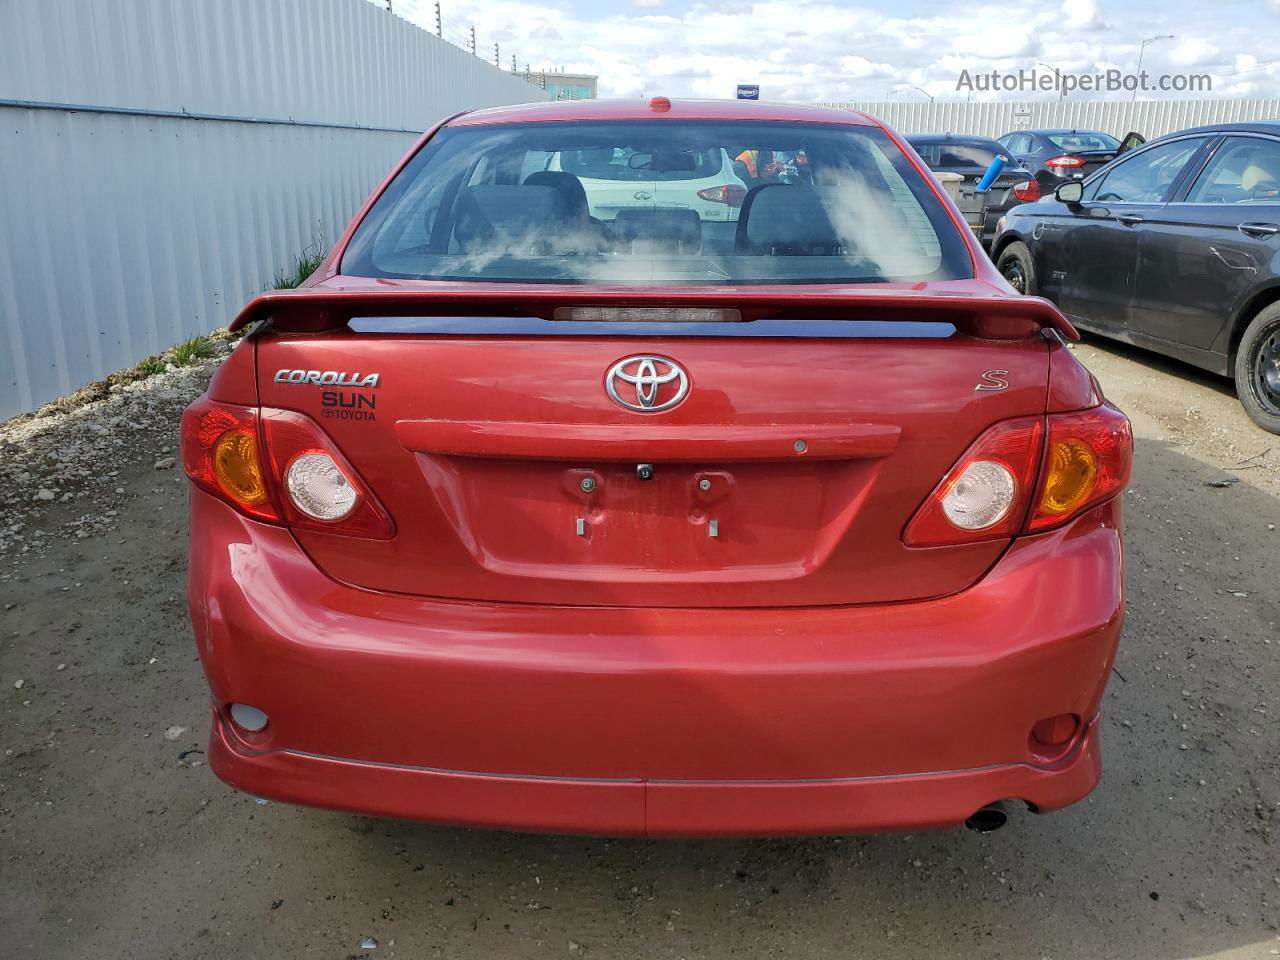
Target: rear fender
236,380
1071,386
1257,301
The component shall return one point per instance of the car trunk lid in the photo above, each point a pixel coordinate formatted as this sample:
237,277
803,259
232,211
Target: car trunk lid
1093,160
809,433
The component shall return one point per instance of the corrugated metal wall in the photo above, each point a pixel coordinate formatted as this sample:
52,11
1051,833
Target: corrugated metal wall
122,234
1151,118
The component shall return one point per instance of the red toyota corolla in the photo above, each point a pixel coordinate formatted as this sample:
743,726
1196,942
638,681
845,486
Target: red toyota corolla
657,467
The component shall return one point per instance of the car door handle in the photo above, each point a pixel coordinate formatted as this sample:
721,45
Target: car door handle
1130,219
1259,229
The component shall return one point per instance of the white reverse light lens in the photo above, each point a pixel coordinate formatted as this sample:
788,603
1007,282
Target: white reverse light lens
318,488
980,497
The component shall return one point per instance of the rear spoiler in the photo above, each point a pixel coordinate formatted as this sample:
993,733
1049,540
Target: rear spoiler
992,317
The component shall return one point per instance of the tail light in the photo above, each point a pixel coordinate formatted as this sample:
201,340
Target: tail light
1065,161
278,466
1087,459
1028,191
1027,475
729,193
222,453
320,490
986,494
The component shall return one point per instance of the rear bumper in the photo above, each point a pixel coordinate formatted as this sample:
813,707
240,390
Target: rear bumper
655,721
663,808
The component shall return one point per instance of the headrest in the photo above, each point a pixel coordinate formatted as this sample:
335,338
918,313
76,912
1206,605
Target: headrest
673,225
1257,174
506,216
785,217
566,184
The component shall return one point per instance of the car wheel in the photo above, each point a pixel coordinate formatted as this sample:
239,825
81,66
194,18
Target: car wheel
1258,369
1016,267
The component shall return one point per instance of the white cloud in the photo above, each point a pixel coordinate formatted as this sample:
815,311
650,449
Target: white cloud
835,50
1193,52
860,68
1080,14
998,42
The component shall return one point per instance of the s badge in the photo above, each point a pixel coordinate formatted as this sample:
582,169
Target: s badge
993,380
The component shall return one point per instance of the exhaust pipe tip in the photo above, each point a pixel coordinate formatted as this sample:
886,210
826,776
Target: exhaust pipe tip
988,819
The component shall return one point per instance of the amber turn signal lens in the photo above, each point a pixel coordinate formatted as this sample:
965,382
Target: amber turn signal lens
235,464
1073,468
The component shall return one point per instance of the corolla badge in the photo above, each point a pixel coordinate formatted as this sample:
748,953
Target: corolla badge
328,378
646,384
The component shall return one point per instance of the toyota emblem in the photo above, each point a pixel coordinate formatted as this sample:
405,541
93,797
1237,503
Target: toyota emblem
646,384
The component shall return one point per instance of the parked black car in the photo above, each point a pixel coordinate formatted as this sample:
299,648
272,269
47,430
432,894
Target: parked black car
970,157
1174,247
1058,155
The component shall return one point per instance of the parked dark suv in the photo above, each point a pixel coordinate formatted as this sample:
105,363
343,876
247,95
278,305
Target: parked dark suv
1054,156
970,157
1174,247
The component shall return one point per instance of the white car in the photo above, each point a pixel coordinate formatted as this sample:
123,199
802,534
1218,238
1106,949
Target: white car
618,178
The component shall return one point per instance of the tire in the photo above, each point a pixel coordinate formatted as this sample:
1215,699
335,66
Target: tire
1016,267
1257,369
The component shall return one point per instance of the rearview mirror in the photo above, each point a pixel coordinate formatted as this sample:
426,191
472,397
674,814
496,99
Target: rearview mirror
1071,192
664,161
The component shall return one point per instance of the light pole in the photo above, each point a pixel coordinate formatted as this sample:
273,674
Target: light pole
1056,72
922,90
1141,51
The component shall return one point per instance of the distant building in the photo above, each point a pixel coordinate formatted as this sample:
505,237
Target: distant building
564,86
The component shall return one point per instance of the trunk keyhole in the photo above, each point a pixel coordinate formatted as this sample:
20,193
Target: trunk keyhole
644,471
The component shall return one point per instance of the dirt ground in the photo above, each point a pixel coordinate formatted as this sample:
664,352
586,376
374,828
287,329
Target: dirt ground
117,842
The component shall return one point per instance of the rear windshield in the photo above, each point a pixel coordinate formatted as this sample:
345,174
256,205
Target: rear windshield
1075,142
659,202
959,153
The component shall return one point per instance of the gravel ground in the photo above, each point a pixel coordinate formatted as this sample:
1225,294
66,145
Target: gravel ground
117,842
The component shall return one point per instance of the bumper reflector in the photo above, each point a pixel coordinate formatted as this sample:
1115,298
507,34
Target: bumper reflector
1055,731
251,718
